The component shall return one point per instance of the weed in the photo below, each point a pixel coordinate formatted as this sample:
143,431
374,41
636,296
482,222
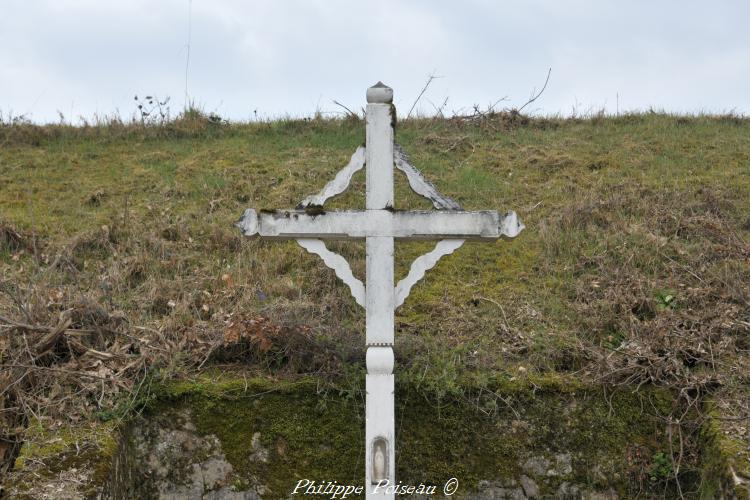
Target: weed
661,467
665,300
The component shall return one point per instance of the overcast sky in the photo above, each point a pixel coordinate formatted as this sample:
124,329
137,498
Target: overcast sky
293,57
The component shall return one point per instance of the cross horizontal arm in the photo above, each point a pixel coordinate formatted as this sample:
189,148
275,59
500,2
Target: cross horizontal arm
351,224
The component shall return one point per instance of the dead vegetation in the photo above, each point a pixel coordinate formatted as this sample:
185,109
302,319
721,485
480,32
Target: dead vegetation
664,301
13,241
623,278
74,347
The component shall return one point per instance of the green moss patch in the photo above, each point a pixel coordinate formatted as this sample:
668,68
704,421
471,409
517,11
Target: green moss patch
277,433
63,461
725,460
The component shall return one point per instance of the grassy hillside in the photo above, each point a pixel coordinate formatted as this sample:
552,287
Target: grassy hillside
120,263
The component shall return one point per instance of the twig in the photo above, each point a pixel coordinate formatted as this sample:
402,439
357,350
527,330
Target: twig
505,318
209,353
731,419
478,114
46,329
351,113
686,268
30,210
424,89
507,403
15,297
676,463
24,326
187,58
535,97
439,110
491,107
58,370
7,388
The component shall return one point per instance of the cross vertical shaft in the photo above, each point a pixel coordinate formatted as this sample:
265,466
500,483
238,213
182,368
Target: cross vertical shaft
379,225
379,427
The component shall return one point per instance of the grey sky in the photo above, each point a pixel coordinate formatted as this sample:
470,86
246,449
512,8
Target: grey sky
83,57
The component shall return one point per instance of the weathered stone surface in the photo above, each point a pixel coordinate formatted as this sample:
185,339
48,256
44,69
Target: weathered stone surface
259,453
496,490
563,465
228,493
65,484
164,457
607,495
558,465
529,487
568,491
536,466
240,438
65,463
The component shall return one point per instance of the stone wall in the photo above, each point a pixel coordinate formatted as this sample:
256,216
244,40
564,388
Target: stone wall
243,438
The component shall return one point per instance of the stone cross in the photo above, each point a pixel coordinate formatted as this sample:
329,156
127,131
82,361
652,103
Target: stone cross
379,224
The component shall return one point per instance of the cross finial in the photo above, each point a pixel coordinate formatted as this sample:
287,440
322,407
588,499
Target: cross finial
380,93
380,225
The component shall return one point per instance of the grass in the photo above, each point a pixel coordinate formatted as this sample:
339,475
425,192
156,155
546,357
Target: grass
621,212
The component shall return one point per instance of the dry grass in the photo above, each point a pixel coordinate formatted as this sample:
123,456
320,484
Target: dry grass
120,262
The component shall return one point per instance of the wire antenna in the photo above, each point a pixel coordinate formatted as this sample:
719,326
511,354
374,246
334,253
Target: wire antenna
187,59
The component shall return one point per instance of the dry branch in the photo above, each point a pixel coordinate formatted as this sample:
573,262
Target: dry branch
424,89
349,112
535,97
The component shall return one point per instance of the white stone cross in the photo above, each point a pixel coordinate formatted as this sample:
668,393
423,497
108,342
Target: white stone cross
379,225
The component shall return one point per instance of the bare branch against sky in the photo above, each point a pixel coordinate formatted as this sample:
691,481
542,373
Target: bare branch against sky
82,57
